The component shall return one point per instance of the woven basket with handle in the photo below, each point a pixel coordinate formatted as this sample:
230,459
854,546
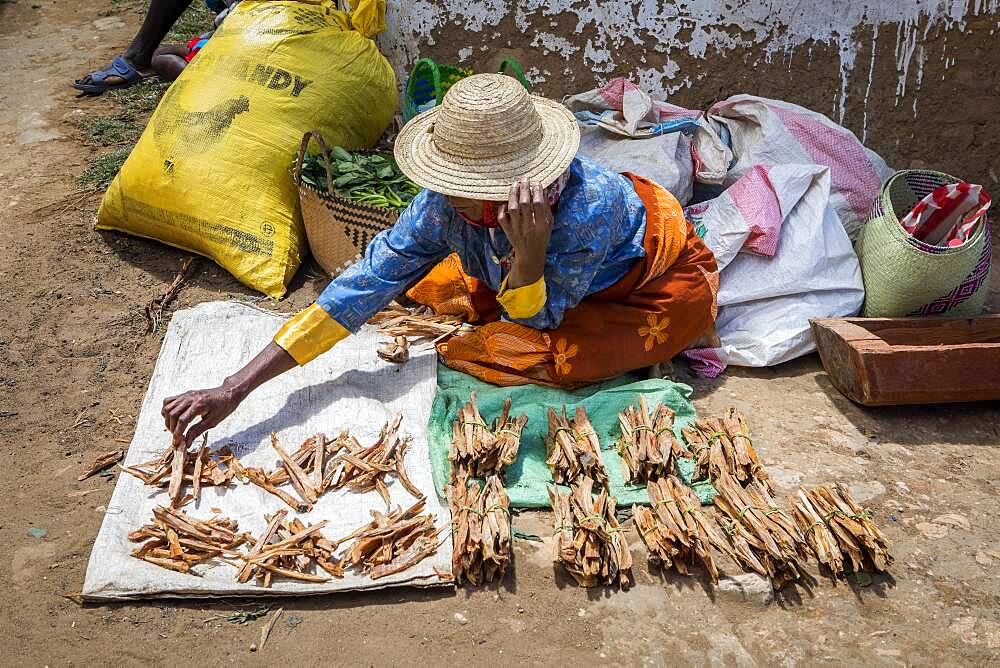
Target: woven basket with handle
339,230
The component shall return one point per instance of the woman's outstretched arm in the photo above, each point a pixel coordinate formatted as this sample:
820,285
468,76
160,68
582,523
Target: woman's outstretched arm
215,404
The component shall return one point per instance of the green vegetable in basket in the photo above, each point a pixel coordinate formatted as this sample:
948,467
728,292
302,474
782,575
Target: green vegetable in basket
367,178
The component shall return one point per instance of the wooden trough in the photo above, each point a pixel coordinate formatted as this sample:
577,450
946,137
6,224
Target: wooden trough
890,361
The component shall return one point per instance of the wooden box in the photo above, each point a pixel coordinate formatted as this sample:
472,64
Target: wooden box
888,361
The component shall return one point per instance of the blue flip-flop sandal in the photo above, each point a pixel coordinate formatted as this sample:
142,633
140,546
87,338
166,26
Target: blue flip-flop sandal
97,82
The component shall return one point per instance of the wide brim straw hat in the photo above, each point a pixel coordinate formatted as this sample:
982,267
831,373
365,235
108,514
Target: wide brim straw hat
488,133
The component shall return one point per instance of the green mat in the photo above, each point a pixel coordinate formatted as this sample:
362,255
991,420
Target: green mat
528,477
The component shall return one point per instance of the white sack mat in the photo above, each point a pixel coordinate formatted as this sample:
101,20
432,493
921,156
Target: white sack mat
347,388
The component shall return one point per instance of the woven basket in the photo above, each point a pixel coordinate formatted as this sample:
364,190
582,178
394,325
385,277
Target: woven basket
905,276
338,229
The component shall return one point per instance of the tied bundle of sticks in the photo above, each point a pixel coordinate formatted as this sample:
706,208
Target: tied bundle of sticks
392,543
178,466
290,549
417,323
647,445
306,469
177,541
724,446
573,449
762,536
481,530
838,529
480,451
675,530
589,542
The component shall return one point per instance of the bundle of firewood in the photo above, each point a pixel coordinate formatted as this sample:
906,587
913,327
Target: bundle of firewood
290,549
763,537
178,466
647,445
675,530
392,543
480,450
724,446
838,529
573,449
177,541
480,520
589,542
416,323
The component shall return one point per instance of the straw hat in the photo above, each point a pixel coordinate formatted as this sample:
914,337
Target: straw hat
486,134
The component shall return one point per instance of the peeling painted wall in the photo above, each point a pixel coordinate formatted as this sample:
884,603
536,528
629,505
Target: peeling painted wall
863,62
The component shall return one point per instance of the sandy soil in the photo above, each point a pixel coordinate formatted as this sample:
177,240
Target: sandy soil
75,362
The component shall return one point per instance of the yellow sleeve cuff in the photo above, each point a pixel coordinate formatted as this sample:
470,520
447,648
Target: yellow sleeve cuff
309,334
523,302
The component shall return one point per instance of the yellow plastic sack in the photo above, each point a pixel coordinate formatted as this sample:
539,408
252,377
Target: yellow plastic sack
212,171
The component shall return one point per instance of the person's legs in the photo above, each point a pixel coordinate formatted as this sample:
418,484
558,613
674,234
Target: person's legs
450,291
654,312
159,19
169,61
126,69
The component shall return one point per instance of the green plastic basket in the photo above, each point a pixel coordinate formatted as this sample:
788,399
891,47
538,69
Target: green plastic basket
429,81
904,276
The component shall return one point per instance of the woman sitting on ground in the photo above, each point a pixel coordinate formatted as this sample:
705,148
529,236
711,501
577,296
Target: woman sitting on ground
574,274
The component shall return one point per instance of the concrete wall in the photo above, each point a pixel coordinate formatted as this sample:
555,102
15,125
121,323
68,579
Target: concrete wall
916,79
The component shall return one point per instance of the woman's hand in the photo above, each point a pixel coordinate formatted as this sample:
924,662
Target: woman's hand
214,405
526,219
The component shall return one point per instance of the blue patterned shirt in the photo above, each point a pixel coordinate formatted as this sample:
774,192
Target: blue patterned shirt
597,237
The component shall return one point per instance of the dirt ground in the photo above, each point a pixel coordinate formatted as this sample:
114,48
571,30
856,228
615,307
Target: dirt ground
74,364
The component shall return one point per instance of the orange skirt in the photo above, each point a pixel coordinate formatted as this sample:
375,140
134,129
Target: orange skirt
664,303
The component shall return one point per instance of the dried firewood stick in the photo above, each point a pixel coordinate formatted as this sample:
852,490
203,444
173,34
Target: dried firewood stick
177,471
172,564
293,574
396,351
101,463
259,478
319,453
298,477
199,463
303,457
